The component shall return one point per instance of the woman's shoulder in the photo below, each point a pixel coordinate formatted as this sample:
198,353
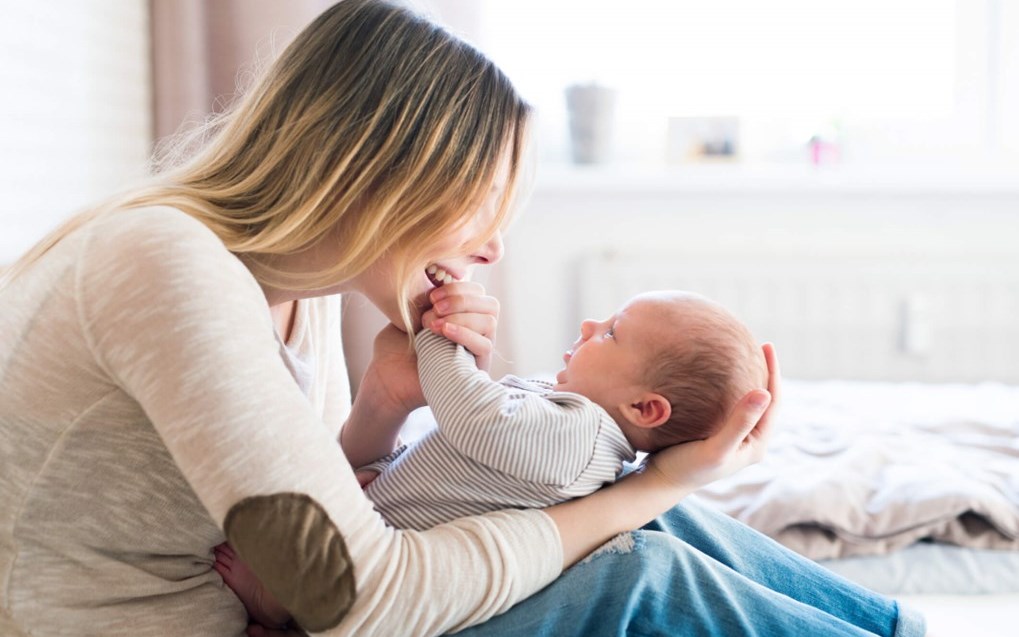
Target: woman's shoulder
153,226
161,233
160,245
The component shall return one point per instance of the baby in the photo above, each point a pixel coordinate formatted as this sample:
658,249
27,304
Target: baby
663,370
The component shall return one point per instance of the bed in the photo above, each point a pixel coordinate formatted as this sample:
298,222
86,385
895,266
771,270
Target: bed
911,489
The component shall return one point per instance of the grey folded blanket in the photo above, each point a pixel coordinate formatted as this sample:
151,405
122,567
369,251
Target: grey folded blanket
866,468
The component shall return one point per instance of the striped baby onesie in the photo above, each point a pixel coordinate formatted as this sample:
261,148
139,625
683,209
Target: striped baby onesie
498,445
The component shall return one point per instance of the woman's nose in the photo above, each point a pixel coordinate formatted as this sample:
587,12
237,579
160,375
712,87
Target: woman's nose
491,251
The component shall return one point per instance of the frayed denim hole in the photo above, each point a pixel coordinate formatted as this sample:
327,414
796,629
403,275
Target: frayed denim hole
621,544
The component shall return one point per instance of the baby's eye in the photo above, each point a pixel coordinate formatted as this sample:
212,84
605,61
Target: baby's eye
611,332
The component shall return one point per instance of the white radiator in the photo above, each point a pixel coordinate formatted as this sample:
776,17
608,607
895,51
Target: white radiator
876,318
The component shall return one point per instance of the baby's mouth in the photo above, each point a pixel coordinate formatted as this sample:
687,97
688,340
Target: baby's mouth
438,275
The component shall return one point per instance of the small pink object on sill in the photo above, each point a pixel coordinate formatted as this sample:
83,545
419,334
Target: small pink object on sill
824,152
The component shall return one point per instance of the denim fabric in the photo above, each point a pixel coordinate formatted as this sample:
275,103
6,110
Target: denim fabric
697,572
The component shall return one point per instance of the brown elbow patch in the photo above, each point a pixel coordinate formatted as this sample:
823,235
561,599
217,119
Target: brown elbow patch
298,554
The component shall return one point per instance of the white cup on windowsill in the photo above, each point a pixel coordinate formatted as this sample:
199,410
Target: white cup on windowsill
591,109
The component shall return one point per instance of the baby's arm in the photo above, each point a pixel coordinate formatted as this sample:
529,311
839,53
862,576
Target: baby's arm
511,430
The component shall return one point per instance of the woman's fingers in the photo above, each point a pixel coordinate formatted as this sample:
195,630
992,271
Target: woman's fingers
743,426
465,315
483,324
364,478
475,343
753,416
457,287
774,388
465,297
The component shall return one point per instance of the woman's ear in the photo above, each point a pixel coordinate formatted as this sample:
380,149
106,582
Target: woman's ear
648,411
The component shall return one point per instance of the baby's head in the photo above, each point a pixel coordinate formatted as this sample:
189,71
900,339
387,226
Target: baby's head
668,367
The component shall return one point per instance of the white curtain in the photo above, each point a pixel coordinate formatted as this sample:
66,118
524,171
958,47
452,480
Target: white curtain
75,117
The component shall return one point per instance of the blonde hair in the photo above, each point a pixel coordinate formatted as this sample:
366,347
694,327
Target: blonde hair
375,126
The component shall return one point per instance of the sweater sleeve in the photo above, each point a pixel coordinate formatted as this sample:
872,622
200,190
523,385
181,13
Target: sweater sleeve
511,430
181,325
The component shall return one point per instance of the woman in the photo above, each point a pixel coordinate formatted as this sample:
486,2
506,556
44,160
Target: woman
168,360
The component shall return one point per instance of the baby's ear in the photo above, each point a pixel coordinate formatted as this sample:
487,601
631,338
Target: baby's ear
649,410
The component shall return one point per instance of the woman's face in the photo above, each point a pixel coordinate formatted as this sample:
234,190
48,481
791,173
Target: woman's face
453,258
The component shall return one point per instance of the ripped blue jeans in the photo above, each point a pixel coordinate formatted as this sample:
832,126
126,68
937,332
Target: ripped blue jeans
695,571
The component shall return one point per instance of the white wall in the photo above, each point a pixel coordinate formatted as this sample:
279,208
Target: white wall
743,214
75,118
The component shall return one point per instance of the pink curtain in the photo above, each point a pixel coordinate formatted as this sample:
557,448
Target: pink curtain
200,47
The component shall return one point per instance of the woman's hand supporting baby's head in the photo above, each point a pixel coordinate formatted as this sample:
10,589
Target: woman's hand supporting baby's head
741,441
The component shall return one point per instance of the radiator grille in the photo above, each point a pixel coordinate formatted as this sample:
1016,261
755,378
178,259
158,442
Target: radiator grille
888,318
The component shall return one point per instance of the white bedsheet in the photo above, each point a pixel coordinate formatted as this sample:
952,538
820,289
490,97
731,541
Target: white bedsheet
933,569
867,468
968,615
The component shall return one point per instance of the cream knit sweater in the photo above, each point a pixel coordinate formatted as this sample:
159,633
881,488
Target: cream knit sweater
142,396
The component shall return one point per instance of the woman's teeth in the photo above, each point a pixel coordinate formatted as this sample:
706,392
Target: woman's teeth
439,276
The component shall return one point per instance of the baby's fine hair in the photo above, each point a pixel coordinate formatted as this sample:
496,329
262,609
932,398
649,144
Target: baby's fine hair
712,362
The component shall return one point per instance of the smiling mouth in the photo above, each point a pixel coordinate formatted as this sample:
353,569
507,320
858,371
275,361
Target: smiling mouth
438,276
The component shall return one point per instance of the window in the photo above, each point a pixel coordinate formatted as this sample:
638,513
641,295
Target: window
75,118
885,78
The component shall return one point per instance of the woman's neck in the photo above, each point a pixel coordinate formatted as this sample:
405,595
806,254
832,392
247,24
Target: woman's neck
283,315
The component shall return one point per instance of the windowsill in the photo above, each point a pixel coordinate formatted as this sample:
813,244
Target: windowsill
748,179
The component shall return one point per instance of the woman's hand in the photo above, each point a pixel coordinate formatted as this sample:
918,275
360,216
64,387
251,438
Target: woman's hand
671,474
389,391
740,442
464,314
392,374
364,478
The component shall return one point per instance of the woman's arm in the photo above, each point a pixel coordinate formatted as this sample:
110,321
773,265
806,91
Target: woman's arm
178,323
390,389
671,474
388,393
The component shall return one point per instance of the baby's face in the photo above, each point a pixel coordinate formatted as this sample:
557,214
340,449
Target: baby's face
607,363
